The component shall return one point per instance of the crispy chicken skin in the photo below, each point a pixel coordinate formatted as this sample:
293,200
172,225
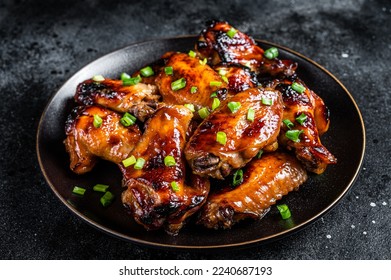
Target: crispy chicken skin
141,99
309,149
265,181
215,44
149,194
245,138
239,77
196,75
85,143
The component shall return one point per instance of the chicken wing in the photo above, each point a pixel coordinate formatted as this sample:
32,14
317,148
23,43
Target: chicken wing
159,194
239,77
309,117
265,181
85,142
140,99
244,136
220,42
199,82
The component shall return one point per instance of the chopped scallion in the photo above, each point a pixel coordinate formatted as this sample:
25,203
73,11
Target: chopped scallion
97,121
293,135
288,123
178,84
302,118
259,155
221,137
234,106
284,211
131,81
100,188
107,199
168,70
139,163
214,94
98,78
174,186
215,103
192,53
215,84
125,76
129,161
225,79
128,119
169,161
271,53
203,112
147,71
250,114
231,33
78,190
193,89
238,178
267,101
204,61
190,107
298,87
223,72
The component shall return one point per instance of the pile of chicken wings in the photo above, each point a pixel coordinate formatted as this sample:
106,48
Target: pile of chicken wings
218,134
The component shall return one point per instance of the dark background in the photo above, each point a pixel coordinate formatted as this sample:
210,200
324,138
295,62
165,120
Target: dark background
44,42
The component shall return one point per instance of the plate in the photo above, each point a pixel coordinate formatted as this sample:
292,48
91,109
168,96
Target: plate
345,139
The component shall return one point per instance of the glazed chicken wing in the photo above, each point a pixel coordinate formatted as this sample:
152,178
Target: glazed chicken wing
220,42
199,82
239,77
310,118
265,181
244,136
159,194
85,142
140,99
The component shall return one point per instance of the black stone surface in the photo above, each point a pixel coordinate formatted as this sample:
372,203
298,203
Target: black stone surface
44,42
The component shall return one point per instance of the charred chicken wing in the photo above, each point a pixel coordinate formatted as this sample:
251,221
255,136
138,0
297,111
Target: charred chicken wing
158,194
265,181
95,132
140,99
246,123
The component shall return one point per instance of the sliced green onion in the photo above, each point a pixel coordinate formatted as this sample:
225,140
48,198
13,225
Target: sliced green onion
203,112
238,178
301,119
169,161
97,121
293,135
215,84
178,84
174,186
271,53
131,81
139,163
221,137
267,101
100,188
128,119
298,87
234,106
193,89
190,107
192,53
78,190
223,72
129,161
204,61
147,71
284,211
225,79
250,114
125,76
288,123
215,103
259,155
107,199
214,94
168,70
98,78
231,33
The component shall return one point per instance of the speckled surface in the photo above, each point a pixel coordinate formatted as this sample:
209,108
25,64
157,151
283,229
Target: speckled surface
44,42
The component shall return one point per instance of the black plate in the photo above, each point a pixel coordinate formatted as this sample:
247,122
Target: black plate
345,139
